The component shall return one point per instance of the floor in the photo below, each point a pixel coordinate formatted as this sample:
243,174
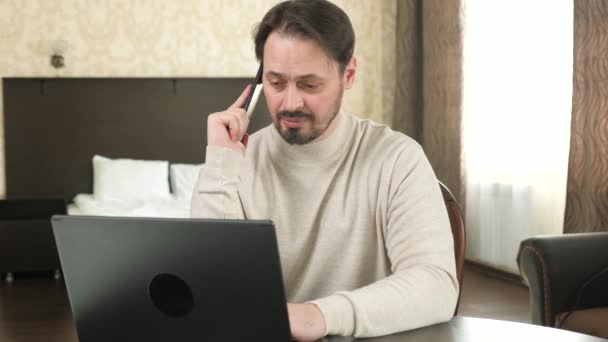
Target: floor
487,296
36,308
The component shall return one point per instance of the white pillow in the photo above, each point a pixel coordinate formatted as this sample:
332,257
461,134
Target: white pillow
183,179
129,179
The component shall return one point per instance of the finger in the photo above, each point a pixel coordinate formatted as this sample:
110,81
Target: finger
229,120
238,131
234,127
243,121
240,102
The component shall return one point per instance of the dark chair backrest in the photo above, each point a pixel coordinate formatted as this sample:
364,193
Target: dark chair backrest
458,231
564,273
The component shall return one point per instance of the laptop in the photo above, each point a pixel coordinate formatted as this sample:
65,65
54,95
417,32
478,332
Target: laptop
156,279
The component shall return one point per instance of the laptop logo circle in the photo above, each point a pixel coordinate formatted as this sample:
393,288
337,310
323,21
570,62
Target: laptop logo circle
171,295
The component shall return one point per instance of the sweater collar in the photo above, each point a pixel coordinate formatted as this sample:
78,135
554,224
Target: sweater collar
317,151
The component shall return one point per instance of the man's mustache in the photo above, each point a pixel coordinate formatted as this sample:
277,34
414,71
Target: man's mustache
294,115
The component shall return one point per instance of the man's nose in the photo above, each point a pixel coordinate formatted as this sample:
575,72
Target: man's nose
293,100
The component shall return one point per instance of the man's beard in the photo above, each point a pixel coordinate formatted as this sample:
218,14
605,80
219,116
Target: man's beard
296,136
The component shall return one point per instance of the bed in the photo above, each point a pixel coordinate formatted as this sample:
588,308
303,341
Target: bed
101,146
55,127
145,188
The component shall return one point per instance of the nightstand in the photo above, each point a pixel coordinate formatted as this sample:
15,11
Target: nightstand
27,243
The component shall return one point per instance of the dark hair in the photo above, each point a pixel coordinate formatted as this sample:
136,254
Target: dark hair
319,20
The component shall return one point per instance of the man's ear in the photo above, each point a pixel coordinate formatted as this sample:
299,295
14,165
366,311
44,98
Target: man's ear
349,73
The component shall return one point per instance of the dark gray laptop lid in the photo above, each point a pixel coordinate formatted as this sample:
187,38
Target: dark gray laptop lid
151,279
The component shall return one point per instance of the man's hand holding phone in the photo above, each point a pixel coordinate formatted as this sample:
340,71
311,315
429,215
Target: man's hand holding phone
228,129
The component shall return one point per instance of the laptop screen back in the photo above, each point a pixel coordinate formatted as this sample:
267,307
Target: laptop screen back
151,279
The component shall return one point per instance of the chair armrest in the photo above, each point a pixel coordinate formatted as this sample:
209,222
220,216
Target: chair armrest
555,267
31,209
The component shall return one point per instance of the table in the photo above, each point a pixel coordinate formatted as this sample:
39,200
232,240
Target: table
470,329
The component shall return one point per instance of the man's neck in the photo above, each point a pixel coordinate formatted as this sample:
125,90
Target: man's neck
330,129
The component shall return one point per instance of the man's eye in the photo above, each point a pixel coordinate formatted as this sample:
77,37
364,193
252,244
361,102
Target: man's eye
310,86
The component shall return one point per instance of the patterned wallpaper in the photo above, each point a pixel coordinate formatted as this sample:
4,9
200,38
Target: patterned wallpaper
168,38
587,191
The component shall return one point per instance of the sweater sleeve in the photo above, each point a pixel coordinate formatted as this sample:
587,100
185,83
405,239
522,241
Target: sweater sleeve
423,287
215,194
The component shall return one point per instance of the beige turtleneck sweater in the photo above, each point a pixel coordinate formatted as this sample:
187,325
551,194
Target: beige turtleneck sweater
362,228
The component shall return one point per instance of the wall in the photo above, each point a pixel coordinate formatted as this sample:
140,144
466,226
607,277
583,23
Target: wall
167,38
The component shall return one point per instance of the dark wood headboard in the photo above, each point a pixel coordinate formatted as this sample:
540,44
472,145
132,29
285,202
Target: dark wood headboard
53,127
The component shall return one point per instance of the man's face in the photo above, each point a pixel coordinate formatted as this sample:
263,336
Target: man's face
303,88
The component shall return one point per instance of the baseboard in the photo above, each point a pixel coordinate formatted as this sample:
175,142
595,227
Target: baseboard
492,272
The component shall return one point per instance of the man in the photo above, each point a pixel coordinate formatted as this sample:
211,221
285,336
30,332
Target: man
364,238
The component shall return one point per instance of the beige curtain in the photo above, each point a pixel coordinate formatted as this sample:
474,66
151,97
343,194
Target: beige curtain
587,192
428,95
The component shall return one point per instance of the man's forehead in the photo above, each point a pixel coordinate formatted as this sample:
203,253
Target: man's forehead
293,56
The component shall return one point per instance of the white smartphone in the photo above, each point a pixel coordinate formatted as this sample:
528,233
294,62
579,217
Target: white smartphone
254,93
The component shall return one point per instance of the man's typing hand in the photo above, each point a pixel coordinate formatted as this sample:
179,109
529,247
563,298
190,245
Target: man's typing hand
306,321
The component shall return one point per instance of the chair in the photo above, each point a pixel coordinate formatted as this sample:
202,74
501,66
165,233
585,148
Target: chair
568,280
459,234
